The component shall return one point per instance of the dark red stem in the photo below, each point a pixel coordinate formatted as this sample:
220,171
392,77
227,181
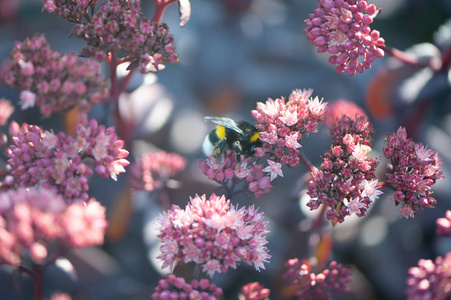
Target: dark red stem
306,162
160,7
37,275
410,59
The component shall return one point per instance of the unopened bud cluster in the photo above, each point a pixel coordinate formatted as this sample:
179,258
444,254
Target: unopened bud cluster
54,82
308,285
414,170
119,26
173,287
342,28
346,181
226,170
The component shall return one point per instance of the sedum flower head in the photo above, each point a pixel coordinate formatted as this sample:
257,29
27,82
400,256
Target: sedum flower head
154,169
118,26
54,82
444,225
173,287
40,157
281,125
226,170
414,170
430,279
253,291
34,220
342,28
308,285
346,181
212,234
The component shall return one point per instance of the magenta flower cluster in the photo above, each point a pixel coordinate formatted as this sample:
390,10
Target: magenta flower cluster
33,221
308,285
173,287
282,124
444,225
346,181
54,82
414,170
230,173
118,26
212,234
153,170
56,161
430,279
254,291
342,28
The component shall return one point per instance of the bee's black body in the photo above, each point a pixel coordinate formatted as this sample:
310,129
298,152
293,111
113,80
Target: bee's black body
241,138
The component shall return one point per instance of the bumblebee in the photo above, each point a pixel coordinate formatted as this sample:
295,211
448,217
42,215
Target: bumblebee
241,138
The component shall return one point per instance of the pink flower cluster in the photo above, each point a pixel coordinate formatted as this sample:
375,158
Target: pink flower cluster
212,234
430,280
333,279
415,170
444,225
54,82
153,170
230,173
173,287
281,125
32,221
56,160
346,181
342,28
253,291
118,26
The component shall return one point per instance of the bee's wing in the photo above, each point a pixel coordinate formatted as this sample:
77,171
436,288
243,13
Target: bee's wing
226,122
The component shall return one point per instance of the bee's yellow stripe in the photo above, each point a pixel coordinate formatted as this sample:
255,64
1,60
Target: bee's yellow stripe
220,132
254,137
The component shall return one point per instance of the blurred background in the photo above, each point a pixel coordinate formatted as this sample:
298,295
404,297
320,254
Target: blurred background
233,54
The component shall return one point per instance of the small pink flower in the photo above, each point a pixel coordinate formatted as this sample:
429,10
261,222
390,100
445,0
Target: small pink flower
274,168
253,291
27,99
444,225
6,110
361,152
355,205
406,211
370,190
